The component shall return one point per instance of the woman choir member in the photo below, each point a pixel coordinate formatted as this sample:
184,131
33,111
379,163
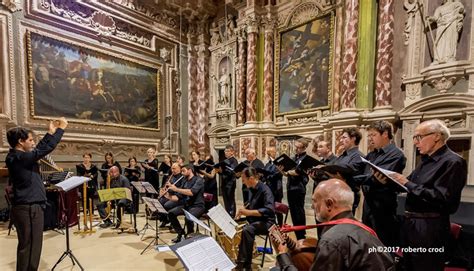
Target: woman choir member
109,162
87,169
165,168
133,173
180,160
210,183
151,169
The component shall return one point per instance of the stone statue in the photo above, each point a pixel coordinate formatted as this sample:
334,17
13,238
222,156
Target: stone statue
230,26
449,18
215,34
224,87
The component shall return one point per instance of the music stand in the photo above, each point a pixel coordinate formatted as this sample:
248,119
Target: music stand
66,186
146,187
154,205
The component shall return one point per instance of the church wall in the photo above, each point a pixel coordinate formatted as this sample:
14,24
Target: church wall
112,29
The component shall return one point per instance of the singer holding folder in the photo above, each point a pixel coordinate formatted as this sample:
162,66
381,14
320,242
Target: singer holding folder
259,212
434,193
28,189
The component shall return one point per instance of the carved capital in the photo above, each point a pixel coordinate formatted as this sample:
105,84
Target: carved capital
252,24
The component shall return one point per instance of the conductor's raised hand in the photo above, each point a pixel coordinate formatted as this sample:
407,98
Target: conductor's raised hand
62,123
52,127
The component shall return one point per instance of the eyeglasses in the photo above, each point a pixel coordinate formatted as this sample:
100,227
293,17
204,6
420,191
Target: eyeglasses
420,137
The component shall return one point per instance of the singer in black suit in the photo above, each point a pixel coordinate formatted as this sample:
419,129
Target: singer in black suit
228,180
274,180
296,188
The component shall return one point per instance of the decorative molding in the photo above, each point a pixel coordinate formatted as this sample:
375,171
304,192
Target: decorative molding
96,21
11,5
7,69
411,7
443,84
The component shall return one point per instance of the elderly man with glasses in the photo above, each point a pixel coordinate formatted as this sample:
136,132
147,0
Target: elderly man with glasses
434,192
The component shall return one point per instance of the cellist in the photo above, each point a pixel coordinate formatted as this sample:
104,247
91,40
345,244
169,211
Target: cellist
345,242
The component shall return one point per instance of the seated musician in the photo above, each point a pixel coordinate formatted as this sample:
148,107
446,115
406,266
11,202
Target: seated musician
344,245
191,192
116,180
166,196
260,213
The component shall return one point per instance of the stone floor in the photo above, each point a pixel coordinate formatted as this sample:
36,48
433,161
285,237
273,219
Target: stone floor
107,249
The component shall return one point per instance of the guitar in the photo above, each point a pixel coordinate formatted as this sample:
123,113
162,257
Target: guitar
301,251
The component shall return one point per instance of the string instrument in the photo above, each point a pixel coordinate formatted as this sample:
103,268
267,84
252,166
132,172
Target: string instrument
301,251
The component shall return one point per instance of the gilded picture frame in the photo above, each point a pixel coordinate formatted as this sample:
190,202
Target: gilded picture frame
304,66
90,86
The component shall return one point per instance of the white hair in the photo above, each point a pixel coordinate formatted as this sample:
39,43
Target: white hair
343,197
438,126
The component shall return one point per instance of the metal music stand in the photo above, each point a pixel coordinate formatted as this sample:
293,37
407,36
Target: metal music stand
66,186
145,187
154,205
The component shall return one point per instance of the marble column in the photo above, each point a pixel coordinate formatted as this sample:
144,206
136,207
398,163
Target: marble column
338,59
268,72
242,76
203,97
251,101
383,79
193,117
349,59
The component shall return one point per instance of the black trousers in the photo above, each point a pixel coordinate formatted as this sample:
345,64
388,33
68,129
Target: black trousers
278,196
28,220
177,211
168,205
298,216
379,213
244,257
425,233
120,203
228,195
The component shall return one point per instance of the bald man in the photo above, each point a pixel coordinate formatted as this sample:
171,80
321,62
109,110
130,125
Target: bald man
345,244
116,180
252,161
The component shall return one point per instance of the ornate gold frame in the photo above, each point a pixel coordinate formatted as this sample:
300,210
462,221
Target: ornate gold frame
277,65
108,53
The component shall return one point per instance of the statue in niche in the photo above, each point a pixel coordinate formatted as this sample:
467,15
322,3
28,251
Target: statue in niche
449,19
215,34
230,26
224,87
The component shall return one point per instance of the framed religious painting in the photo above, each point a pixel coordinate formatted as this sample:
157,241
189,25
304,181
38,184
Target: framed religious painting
303,66
90,86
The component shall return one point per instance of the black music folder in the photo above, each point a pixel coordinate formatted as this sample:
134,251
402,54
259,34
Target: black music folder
223,165
264,172
240,167
208,164
309,162
285,161
334,169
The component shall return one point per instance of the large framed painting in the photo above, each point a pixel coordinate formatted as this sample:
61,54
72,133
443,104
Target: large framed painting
88,86
303,66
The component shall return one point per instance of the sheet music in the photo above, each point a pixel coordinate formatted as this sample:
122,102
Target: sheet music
223,220
384,172
72,182
154,205
204,254
195,220
149,188
139,187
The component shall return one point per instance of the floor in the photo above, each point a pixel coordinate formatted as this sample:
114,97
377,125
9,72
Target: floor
107,249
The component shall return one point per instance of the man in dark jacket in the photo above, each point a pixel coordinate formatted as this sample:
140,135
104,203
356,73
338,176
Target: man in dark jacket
345,245
28,189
